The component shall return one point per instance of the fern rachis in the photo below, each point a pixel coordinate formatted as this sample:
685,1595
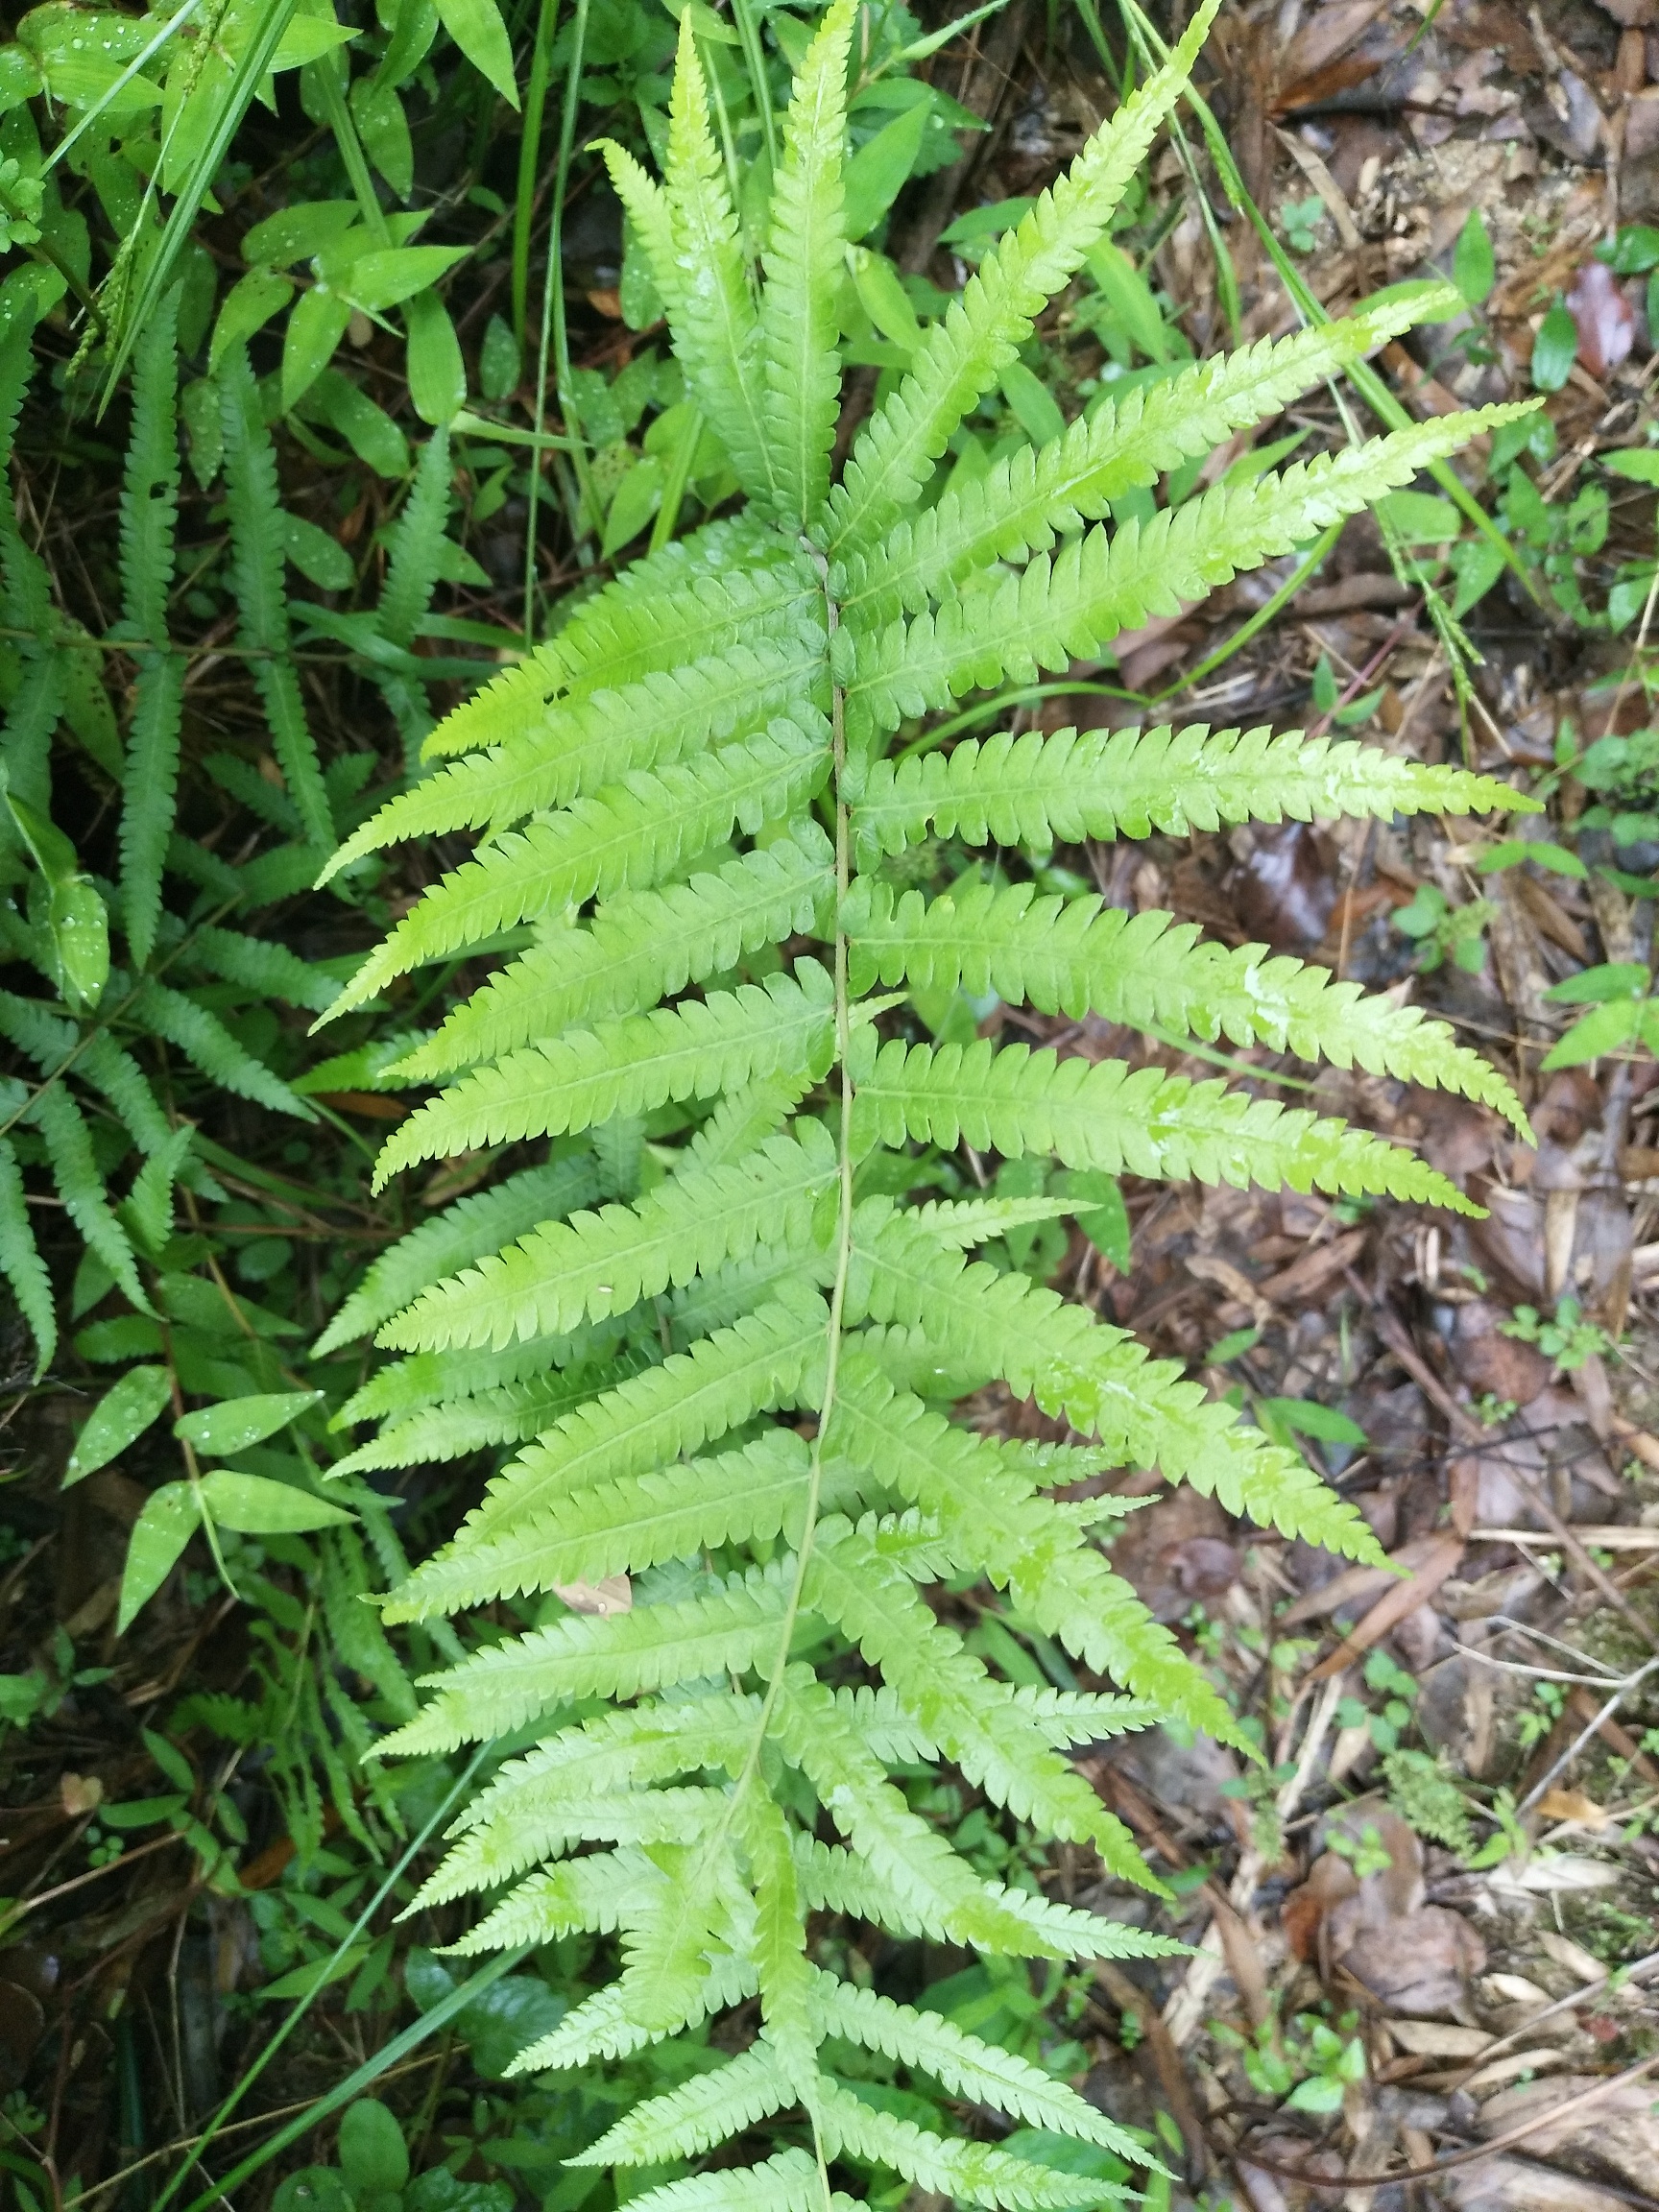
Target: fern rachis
759,1343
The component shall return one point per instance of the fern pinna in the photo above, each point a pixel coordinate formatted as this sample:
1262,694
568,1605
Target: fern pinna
724,1347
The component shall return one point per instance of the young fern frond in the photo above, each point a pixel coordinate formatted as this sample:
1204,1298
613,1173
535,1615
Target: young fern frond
717,1335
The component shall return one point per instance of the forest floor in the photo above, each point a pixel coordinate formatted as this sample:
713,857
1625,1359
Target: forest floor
1428,1932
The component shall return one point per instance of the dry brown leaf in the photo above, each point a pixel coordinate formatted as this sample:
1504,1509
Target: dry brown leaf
1393,1606
614,1595
1560,1804
80,1793
1420,1964
1438,2039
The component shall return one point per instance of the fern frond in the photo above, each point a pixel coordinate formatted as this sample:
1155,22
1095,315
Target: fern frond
1078,956
963,2171
972,1718
269,968
1099,1377
984,1503
911,1862
1075,785
638,950
789,2182
639,1521
647,205
968,2067
69,1153
963,354
601,1263
1140,1121
603,2026
417,544
619,1655
687,600
205,1042
149,519
695,1050
595,1894
800,322
834,1880
106,1068
627,838
512,1415
521,1818
579,746
256,540
21,1264
685,2122
1031,496
458,1235
409,1386
716,334
1069,605
641,1425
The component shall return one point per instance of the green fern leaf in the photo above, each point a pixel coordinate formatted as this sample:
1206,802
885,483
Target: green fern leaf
641,1424
68,1145
638,950
1098,1378
417,546
271,969
1141,1122
1077,784
512,1415
149,519
460,1234
582,745
719,587
1071,605
627,838
911,1862
647,208
621,1655
963,355
716,334
972,1718
968,2067
21,1264
789,2182
256,540
597,1893
1077,956
695,1050
965,2172
799,321
1033,495
601,1263
685,2122
985,1506
205,1042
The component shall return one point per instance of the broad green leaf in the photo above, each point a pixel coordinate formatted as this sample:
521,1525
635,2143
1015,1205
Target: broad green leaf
1419,518
1640,463
80,927
315,328
883,299
1605,1028
372,2153
119,1418
1515,851
1034,406
365,426
321,559
248,305
261,1508
387,278
299,232
477,29
1130,299
1554,349
437,373
1612,979
166,1524
1474,271
221,1432
498,364
877,173
1308,1418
